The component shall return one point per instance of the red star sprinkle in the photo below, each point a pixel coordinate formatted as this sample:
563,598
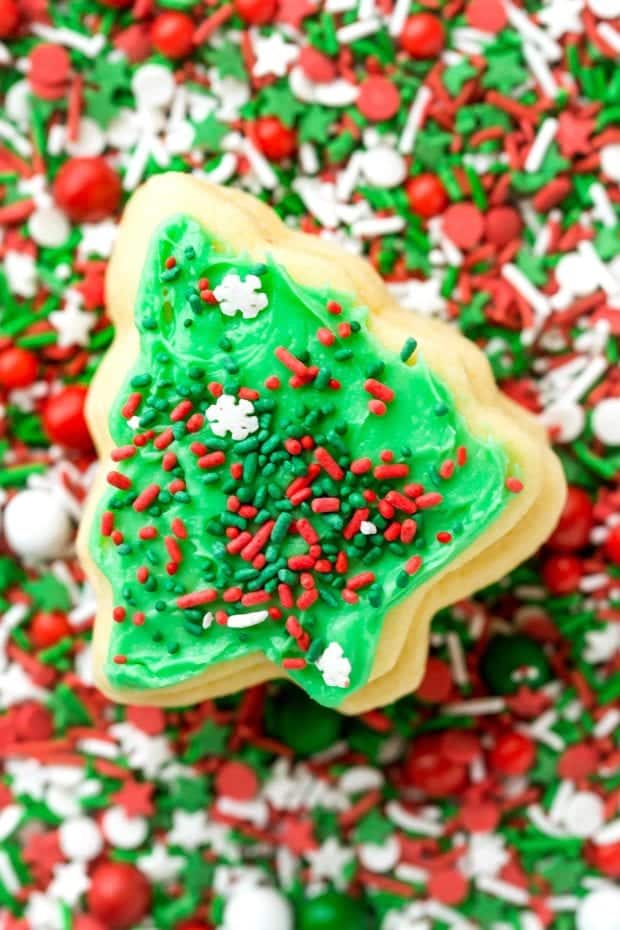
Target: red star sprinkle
135,798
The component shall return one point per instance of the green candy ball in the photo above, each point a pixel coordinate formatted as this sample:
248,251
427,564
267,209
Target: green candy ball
332,911
301,723
512,662
178,4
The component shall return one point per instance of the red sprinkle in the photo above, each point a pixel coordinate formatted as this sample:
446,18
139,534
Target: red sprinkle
181,410
123,452
360,581
146,497
197,598
294,663
117,480
377,407
131,405
425,501
172,548
164,439
325,336
386,472
211,460
379,390
326,504
360,466
413,564
328,463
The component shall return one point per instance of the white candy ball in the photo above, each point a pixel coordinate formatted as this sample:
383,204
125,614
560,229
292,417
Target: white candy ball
610,161
90,139
80,839
123,831
599,910
180,137
383,166
606,421
605,9
36,525
49,227
123,131
584,814
565,417
153,85
17,103
257,908
380,857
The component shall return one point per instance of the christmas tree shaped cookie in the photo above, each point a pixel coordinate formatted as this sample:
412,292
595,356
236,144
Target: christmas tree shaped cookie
296,473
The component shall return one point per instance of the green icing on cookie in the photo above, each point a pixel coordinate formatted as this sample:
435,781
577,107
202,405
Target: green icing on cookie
281,479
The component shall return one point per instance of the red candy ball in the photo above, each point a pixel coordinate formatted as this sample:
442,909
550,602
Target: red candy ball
172,34
119,895
86,922
437,682
236,780
116,4
32,721
448,886
316,66
46,628
275,140
49,64
256,12
378,99
63,418
423,36
87,189
426,194
612,545
430,769
9,18
18,368
575,523
463,223
562,573
579,761
513,754
605,858
486,15
502,225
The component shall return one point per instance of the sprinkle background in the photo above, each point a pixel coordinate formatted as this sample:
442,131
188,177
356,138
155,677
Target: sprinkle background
477,165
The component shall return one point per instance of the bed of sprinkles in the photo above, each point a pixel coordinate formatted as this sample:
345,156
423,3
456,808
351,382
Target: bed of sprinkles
488,196
274,474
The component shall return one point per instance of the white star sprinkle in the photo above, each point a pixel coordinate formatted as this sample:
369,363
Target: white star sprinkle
562,16
72,324
231,415
329,862
189,830
244,296
334,666
69,883
273,55
159,865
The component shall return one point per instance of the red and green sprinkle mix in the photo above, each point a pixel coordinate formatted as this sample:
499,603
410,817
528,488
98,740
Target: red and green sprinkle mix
472,152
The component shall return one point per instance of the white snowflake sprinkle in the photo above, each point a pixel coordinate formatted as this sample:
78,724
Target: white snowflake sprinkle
244,296
334,666
231,415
